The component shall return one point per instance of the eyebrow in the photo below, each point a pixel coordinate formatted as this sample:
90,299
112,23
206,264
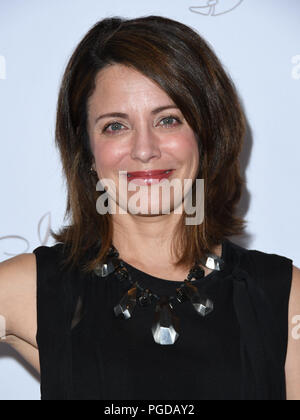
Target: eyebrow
121,115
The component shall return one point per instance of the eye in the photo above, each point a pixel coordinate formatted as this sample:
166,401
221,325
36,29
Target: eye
169,120
113,125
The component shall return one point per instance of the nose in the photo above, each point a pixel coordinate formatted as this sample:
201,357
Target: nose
145,145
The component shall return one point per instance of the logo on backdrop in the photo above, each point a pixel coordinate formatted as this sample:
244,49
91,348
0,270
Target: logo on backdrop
215,7
13,245
2,68
296,67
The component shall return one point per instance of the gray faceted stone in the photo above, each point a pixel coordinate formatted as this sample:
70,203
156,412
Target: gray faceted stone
165,329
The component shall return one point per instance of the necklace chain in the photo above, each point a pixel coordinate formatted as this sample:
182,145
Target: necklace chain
123,274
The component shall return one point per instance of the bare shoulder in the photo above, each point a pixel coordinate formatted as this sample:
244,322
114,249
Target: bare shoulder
293,355
18,297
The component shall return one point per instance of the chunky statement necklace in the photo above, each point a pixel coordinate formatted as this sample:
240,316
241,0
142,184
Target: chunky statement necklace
165,328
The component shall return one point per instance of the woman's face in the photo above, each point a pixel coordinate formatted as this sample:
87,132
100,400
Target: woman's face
141,140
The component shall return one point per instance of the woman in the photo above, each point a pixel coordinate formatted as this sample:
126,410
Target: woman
140,305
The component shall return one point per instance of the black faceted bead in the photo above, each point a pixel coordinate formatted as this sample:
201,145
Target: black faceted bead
146,298
113,252
190,290
202,304
122,273
181,294
127,304
197,272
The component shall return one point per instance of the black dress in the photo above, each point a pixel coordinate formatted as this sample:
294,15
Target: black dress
237,353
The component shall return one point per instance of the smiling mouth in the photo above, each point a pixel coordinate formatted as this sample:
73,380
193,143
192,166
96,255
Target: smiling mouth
150,174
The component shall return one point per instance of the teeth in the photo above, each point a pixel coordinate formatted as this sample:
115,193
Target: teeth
166,172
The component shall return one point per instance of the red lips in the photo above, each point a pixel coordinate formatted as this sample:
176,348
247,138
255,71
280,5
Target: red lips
149,174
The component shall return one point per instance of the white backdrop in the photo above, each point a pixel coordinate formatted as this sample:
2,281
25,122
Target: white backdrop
258,41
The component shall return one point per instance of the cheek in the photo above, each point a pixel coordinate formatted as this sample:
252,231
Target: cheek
107,156
185,148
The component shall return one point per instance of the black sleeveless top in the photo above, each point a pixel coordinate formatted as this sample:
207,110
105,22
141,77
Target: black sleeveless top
238,352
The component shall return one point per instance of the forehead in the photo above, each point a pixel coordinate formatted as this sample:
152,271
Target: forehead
117,83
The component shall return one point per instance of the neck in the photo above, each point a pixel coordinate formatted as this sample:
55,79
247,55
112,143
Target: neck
145,238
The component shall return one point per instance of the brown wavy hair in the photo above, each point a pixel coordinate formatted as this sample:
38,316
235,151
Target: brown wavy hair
183,64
